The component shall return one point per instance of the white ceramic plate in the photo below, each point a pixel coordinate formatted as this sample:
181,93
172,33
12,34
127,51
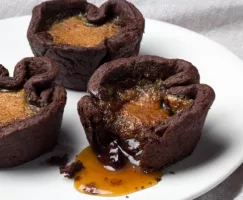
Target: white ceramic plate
218,154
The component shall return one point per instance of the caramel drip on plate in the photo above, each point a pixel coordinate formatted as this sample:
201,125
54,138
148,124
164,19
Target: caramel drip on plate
96,179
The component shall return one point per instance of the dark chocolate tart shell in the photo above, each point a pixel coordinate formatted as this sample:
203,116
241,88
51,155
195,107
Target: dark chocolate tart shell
77,64
26,139
168,141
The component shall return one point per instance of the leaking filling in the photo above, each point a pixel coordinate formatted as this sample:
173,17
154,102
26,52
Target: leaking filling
95,179
77,31
129,114
14,107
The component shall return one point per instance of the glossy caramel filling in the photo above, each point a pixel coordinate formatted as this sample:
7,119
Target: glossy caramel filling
95,179
145,105
14,107
76,31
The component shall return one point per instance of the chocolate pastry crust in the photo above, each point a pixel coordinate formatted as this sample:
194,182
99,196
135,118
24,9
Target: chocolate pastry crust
26,139
160,144
77,64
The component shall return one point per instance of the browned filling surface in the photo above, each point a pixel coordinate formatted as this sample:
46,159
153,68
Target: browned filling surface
14,107
145,105
76,31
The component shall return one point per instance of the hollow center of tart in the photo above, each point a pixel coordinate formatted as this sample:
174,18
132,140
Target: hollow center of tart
14,107
145,105
96,179
78,32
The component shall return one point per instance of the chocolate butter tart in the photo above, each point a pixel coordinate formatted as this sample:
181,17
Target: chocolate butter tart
146,109
81,37
31,110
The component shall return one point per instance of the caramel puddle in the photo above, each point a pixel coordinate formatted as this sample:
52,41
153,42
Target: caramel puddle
97,180
76,31
14,107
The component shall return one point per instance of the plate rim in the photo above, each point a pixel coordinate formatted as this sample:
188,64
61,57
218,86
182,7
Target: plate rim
195,34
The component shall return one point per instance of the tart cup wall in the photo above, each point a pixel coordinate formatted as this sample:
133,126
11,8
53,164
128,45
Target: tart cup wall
168,141
26,139
77,64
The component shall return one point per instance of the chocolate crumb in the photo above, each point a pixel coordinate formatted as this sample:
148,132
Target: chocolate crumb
127,197
158,179
91,188
171,172
72,169
59,161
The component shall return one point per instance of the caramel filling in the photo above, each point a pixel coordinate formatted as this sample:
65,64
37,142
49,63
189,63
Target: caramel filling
145,110
76,31
145,105
95,179
14,107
